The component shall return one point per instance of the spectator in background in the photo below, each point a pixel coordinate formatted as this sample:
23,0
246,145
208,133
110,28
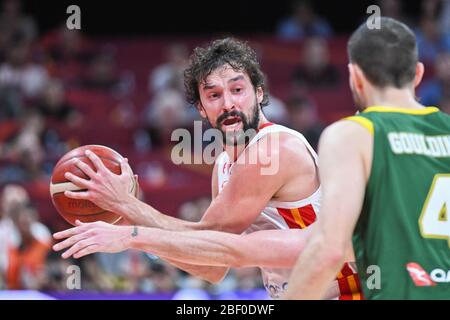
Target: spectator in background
163,277
12,197
276,111
55,273
303,118
435,91
315,70
11,102
431,40
68,53
13,22
19,73
394,9
166,112
24,151
170,73
57,115
191,288
102,73
94,277
15,198
431,9
444,18
303,22
27,259
53,105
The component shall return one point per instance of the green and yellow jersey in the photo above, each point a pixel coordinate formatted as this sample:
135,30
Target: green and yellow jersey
404,227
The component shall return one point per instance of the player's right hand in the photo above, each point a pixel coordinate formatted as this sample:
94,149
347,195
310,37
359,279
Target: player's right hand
107,190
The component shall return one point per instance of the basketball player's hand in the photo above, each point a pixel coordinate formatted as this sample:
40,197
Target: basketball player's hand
88,238
107,190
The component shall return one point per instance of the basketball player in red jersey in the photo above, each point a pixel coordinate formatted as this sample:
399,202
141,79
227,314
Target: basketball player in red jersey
226,84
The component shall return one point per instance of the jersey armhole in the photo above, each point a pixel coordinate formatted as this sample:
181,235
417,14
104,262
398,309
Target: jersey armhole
366,123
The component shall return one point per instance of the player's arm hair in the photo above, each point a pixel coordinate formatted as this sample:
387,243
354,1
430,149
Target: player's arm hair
268,248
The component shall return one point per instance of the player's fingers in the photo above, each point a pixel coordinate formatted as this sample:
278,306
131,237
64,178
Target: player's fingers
95,160
83,195
136,181
125,167
67,233
77,247
70,241
80,182
85,168
88,250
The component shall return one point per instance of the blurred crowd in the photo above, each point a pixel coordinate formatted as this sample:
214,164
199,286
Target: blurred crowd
27,261
37,71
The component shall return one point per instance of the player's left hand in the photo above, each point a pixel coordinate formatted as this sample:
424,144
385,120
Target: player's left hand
88,238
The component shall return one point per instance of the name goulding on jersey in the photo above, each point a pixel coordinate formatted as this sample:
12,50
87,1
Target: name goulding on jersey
419,144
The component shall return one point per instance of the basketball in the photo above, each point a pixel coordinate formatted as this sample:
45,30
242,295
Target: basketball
77,209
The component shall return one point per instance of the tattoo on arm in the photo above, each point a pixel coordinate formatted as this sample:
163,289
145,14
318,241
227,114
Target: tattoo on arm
135,231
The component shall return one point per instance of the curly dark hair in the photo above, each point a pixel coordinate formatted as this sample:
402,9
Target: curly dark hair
238,54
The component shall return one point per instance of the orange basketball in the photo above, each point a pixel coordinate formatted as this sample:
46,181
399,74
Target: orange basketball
83,210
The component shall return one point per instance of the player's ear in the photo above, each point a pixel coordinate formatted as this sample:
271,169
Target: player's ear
357,77
259,94
420,70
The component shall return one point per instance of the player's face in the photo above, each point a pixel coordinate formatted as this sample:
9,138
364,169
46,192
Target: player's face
230,103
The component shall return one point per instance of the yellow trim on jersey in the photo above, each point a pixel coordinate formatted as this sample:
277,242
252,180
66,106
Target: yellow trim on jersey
353,288
298,218
426,110
366,123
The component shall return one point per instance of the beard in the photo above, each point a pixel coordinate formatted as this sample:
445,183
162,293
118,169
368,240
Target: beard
241,136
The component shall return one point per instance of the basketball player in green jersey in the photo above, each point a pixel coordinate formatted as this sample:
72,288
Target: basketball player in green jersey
385,175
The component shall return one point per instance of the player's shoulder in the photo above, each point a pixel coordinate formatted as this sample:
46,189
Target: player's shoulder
277,142
282,138
346,133
348,126
284,147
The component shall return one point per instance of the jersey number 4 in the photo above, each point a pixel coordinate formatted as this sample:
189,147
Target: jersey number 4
434,220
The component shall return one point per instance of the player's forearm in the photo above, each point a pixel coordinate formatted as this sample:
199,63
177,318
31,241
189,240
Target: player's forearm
140,213
183,254
315,269
213,248
201,248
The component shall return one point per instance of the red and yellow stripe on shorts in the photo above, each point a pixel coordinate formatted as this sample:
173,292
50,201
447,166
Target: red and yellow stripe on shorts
348,280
